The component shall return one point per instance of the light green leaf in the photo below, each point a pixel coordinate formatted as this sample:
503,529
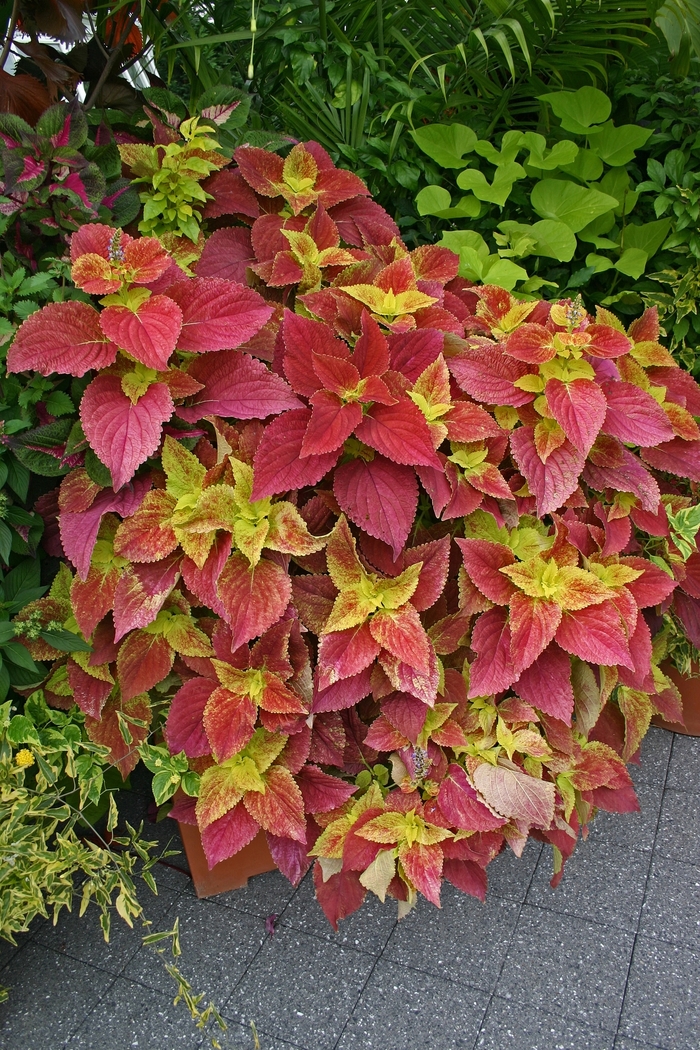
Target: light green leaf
579,110
458,239
587,166
560,155
446,144
632,262
435,200
616,182
649,237
496,192
600,263
617,146
574,205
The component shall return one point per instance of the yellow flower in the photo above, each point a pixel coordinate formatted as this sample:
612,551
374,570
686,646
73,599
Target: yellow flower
24,758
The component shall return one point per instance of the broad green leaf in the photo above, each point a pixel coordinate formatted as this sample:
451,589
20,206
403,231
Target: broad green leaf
496,192
458,239
548,237
435,200
446,144
565,201
560,155
617,146
587,166
579,110
600,263
616,182
649,237
632,262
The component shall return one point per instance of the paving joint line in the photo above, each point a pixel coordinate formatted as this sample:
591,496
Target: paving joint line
646,887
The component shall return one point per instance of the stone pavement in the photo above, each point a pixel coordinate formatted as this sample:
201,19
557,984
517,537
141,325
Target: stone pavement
608,961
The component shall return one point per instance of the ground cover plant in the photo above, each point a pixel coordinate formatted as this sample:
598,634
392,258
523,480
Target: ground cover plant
391,559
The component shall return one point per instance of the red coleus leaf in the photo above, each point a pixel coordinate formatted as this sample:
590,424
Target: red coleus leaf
340,895
412,352
228,835
79,529
92,598
533,625
343,694
380,497
466,876
227,253
611,465
278,465
107,730
634,416
461,806
680,387
678,457
606,341
149,334
551,483
236,385
302,339
141,593
403,635
595,634
61,337
253,597
89,693
468,422
280,808
342,654
654,585
217,314
144,660
184,729
290,856
122,434
322,792
486,373
147,535
515,794
400,432
407,714
532,343
331,423
483,561
493,669
579,408
231,195
229,720
546,684
423,867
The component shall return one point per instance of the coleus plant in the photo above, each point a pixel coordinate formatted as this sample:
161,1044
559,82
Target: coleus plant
384,553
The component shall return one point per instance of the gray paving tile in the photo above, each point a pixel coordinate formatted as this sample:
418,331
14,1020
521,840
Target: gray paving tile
133,807
9,951
240,1037
403,1009
217,945
685,764
300,988
672,904
50,996
677,837
464,941
570,966
662,1004
509,876
366,930
623,1043
81,936
601,882
131,1016
654,757
631,830
523,1027
266,894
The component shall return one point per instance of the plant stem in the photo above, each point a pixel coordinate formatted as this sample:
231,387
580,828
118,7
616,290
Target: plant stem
10,34
110,63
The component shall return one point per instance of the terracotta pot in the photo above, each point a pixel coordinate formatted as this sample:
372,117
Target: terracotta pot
231,874
690,693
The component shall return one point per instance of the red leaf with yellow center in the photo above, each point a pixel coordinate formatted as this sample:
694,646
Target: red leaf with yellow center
331,424
141,593
95,274
403,635
61,337
147,535
149,333
253,597
579,408
423,868
280,808
144,660
533,625
229,720
343,654
532,343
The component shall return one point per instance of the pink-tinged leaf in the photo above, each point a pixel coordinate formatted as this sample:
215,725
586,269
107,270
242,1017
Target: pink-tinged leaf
238,386
322,792
231,195
688,610
302,339
533,625
339,896
202,582
380,497
654,585
400,432
342,654
461,806
487,374
291,857
93,238
680,387
423,867
551,483
516,795
184,729
371,353
280,808
435,562
148,334
217,314
278,465
89,693
611,465
437,486
466,876
595,634
613,800
229,720
343,694
147,535
634,416
579,408
254,598
691,580
227,254
546,684
92,598
77,491
678,457
141,593
107,730
606,341
79,530
403,635
493,669
144,660
408,679
413,352
407,713
382,735
483,561
225,837
145,257
468,422
123,435
532,343
330,425
61,337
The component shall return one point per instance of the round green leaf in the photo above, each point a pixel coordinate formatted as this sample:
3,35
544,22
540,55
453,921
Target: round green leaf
617,146
578,110
565,201
446,144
